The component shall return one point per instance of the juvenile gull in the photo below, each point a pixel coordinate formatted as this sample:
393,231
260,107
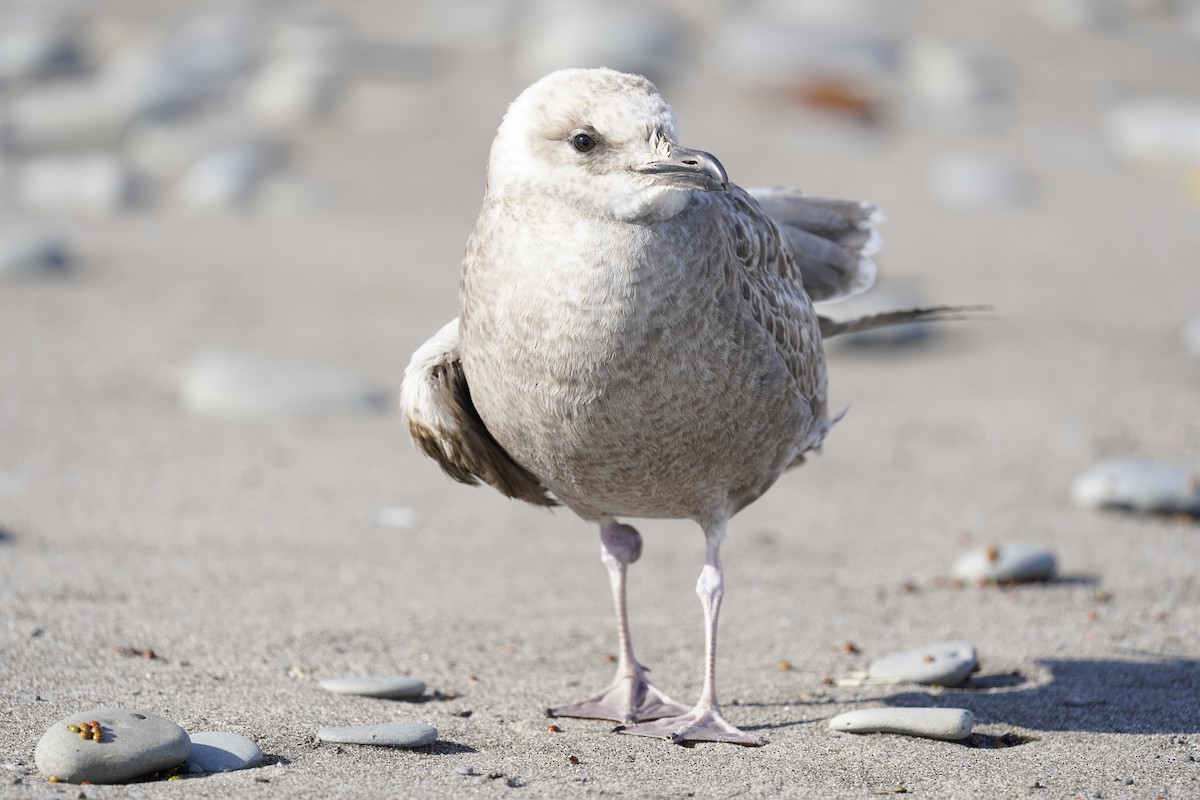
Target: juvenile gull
636,338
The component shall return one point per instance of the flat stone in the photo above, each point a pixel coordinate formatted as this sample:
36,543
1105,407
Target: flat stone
389,734
1006,563
133,744
931,723
90,183
392,687
1191,334
220,751
1155,131
939,664
243,386
971,180
1137,485
27,254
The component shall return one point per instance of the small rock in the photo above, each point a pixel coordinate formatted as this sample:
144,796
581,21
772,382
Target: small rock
931,723
219,751
390,734
132,744
465,770
978,181
388,688
26,254
1191,336
74,116
946,84
1155,131
241,386
1006,564
941,664
1136,485
226,177
89,183
396,517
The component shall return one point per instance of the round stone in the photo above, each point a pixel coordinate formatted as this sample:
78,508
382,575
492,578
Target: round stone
1006,563
390,734
940,664
931,723
132,744
386,687
219,751
244,386
25,254
1137,485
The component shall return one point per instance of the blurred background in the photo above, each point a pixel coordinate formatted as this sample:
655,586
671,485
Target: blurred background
225,226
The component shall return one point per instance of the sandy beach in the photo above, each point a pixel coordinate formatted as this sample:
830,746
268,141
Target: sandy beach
255,556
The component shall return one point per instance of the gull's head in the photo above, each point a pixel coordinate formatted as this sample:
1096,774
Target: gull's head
604,141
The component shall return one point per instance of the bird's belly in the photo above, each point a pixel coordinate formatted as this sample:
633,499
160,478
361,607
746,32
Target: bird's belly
647,431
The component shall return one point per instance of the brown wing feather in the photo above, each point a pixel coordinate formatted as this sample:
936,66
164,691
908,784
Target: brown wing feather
442,420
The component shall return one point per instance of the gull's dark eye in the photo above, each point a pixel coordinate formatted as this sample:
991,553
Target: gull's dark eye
583,142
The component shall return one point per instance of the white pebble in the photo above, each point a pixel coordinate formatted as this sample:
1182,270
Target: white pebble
940,664
931,723
1137,485
132,744
1155,131
387,687
220,751
243,386
1006,563
89,183
978,181
226,177
390,734
1191,335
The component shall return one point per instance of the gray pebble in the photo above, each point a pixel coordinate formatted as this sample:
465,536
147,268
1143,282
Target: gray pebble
219,751
1191,335
133,744
931,723
390,734
940,664
92,183
25,254
1146,486
1006,563
242,386
979,181
387,687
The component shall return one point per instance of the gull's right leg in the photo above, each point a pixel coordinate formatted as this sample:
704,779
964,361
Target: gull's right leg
630,697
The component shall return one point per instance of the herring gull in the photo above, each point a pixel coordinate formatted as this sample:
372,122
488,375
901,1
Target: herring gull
636,338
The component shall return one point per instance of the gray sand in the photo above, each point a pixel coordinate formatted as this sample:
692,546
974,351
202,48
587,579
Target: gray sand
248,555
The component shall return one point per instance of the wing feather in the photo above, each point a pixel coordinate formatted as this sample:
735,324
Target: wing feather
443,422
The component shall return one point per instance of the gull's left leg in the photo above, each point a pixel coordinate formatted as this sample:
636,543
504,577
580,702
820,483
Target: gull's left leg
704,722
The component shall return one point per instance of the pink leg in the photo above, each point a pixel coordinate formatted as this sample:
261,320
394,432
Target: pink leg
630,697
704,722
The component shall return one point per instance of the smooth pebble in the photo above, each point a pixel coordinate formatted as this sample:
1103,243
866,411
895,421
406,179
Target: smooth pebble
1191,336
1137,485
243,386
940,664
133,744
221,751
89,183
931,723
1006,563
1155,131
385,687
968,180
25,254
389,734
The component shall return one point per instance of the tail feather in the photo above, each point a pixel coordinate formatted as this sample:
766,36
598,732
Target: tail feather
832,327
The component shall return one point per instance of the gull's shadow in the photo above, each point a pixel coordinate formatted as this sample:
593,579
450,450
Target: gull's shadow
443,748
1146,696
